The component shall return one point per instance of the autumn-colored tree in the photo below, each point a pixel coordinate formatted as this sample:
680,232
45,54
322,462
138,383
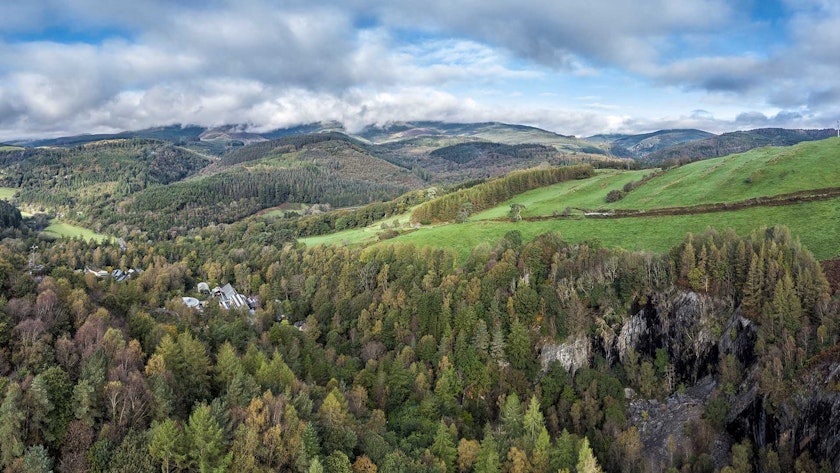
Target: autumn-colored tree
364,464
517,461
467,454
336,423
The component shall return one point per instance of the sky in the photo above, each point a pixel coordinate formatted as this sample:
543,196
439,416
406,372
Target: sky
574,67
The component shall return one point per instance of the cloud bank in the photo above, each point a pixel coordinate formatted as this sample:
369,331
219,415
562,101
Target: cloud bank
88,66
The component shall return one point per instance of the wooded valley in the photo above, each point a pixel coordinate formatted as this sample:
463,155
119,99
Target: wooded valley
528,351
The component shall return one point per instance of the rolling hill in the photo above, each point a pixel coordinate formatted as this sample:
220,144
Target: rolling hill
154,186
94,174
761,172
637,146
186,176
797,186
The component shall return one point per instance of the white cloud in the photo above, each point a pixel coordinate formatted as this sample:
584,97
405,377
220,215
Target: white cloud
269,65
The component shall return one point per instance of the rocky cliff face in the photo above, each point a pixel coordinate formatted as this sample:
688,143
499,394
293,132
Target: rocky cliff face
662,424
816,423
695,329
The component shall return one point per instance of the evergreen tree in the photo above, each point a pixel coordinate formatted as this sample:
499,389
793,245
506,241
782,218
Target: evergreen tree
487,459
586,460
166,445
206,441
786,307
511,418
753,293
688,261
518,346
533,423
443,447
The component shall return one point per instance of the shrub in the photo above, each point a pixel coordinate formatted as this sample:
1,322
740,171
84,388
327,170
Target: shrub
615,195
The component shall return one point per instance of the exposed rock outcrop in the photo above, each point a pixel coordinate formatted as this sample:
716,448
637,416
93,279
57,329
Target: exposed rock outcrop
693,328
814,422
572,355
662,424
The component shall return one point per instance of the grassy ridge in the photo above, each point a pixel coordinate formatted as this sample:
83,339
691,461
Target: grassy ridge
756,173
488,194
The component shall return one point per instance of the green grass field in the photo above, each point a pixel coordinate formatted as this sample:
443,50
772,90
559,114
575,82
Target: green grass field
61,229
10,148
6,193
760,172
817,224
584,193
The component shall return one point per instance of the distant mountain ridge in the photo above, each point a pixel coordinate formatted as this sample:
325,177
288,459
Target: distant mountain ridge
398,131
173,133
637,146
734,142
402,142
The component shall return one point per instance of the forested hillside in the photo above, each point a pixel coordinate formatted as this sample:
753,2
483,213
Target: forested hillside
465,152
396,358
230,196
96,175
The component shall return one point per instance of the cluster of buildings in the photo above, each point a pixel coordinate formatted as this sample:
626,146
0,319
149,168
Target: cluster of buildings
118,274
226,295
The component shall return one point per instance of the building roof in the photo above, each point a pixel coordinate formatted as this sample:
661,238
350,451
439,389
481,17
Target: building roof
190,301
228,291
